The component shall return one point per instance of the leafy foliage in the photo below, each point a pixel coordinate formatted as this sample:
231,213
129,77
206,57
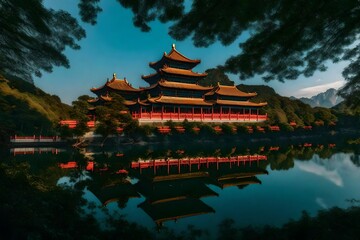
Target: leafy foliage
281,110
33,38
216,76
89,10
79,112
110,116
286,38
25,109
284,110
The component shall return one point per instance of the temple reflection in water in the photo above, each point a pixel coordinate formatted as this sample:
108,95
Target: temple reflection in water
201,184
173,188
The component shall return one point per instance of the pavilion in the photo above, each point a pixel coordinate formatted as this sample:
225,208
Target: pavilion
174,94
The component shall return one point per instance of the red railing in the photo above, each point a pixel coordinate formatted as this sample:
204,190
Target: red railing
32,150
72,123
199,116
30,139
274,128
196,161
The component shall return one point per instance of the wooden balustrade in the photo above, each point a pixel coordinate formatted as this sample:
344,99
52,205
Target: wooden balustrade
199,116
196,161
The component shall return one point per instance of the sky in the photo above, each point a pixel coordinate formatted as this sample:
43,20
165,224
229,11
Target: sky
114,45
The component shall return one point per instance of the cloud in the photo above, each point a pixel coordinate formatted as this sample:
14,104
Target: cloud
311,91
321,202
331,175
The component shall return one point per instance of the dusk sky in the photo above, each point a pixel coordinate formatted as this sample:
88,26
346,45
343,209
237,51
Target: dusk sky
114,45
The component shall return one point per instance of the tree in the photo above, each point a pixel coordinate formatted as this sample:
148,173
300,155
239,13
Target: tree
216,76
33,38
80,113
286,38
111,116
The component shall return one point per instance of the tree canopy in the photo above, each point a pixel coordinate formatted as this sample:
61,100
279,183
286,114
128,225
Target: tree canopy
33,38
216,76
284,39
287,38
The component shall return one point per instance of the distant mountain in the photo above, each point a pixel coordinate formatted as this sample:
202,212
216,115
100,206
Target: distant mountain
326,99
281,110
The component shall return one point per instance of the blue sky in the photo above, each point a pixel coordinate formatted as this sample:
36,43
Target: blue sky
114,45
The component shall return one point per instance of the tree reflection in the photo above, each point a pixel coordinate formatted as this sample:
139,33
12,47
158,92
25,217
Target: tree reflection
335,223
33,206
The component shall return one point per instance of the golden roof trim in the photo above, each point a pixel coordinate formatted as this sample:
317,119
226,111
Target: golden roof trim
230,91
179,100
184,72
239,103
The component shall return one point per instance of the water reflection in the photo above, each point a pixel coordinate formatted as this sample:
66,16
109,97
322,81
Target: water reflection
175,182
34,150
173,187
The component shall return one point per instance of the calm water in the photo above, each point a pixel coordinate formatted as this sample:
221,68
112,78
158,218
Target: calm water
203,184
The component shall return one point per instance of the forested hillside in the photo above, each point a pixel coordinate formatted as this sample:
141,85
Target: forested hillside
284,110
281,110
26,109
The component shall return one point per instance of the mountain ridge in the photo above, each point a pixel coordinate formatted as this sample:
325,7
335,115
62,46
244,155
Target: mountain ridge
327,99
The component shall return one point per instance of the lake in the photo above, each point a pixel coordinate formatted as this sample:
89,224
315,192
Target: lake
166,187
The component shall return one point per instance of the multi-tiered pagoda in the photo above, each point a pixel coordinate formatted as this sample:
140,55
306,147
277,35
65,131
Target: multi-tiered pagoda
174,94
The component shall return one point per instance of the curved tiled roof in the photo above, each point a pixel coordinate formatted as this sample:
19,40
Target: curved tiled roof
131,103
179,100
94,89
176,71
239,103
94,100
192,86
121,84
230,91
183,72
176,56
179,85
117,84
106,98
148,76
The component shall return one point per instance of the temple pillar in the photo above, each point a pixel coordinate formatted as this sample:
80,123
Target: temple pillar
229,113
168,167
154,165
220,112
162,112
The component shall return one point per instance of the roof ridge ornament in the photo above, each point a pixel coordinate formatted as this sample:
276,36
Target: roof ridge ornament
173,46
114,76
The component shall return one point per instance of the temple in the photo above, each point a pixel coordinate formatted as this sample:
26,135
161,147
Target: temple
174,188
174,94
